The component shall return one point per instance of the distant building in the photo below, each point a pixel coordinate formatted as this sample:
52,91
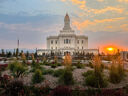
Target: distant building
67,42
124,55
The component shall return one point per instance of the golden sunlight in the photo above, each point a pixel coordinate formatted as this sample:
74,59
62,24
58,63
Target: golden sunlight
110,49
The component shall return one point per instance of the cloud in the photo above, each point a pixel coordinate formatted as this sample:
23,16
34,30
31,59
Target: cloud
109,8
100,0
123,1
124,27
86,23
80,3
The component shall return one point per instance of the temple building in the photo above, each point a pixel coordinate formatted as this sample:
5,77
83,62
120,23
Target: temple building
67,42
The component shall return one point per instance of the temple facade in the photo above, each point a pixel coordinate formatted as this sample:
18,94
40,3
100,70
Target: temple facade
67,42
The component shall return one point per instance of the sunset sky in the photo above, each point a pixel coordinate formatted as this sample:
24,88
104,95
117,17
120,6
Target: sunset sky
105,22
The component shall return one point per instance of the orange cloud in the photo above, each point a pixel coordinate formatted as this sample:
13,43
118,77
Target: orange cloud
81,4
109,8
124,27
81,25
123,1
100,0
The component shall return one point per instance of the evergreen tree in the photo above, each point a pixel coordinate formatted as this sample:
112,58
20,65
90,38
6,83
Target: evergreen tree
17,52
27,55
9,54
14,53
2,53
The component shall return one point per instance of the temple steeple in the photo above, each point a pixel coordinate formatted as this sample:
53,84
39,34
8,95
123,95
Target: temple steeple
67,22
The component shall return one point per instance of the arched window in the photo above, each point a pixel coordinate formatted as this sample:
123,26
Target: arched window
66,41
56,41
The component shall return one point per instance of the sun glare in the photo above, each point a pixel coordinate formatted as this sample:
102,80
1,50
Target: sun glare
110,49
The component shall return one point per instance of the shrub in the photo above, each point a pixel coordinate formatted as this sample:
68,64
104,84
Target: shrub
37,77
79,65
96,78
67,78
14,88
48,71
58,73
54,65
90,65
17,69
61,91
116,71
90,72
94,81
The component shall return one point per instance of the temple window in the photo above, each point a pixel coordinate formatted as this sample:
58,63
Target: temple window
51,41
82,41
78,41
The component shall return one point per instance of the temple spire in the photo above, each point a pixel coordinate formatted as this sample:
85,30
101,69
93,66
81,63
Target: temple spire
67,22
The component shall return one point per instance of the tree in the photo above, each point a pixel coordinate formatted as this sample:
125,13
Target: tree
2,53
9,54
14,53
27,55
17,52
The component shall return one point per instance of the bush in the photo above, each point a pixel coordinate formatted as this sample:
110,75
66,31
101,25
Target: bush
37,77
58,73
54,65
48,71
96,78
67,78
14,88
95,81
116,71
90,65
90,72
61,91
79,65
17,69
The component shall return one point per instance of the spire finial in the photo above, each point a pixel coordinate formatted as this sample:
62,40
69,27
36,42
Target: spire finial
67,22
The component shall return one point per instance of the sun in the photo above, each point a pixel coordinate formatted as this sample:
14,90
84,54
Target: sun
110,49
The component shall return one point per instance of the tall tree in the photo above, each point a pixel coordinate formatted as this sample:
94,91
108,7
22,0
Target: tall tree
9,54
14,53
2,53
27,55
17,52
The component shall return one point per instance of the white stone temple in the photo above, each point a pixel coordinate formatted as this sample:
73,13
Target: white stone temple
67,42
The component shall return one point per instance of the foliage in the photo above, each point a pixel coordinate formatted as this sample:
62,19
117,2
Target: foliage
54,65
17,69
67,77
35,66
9,54
17,52
90,65
89,72
48,71
2,53
14,88
37,77
96,78
61,91
79,65
68,60
58,73
93,81
116,71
